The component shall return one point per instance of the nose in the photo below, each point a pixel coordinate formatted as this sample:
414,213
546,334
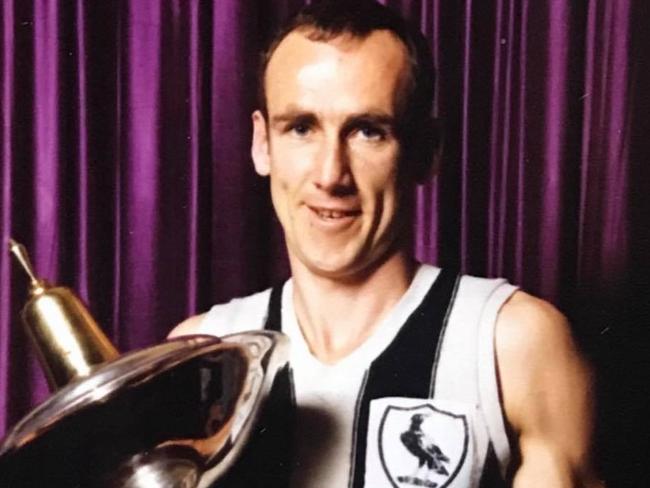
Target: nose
332,173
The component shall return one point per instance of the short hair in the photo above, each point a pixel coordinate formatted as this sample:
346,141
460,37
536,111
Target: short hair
324,20
328,19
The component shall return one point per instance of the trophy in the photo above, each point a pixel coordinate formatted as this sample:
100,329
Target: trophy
173,415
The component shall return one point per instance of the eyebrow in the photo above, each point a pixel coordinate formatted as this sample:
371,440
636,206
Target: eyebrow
376,117
373,118
292,115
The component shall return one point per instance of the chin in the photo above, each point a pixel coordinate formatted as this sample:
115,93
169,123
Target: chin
331,265
340,262
341,268
330,270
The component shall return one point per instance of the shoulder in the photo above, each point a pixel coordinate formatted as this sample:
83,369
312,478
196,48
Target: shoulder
237,315
527,325
535,349
547,390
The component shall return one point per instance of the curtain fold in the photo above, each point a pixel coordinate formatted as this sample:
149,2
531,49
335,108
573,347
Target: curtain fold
126,168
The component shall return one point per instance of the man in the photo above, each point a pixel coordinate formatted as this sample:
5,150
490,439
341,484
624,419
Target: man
401,374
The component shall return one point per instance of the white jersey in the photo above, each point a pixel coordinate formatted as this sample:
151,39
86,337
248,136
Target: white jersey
443,428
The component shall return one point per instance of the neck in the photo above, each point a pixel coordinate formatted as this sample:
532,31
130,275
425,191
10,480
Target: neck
337,315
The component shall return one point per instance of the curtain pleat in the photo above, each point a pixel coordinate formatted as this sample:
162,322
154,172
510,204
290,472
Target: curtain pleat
7,308
604,187
82,264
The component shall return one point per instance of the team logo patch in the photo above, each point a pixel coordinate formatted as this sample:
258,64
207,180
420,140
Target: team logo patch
422,445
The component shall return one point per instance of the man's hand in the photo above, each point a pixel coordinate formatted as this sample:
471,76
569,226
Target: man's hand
547,390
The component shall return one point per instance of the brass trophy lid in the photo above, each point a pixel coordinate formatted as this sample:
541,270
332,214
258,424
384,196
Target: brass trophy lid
173,415
68,341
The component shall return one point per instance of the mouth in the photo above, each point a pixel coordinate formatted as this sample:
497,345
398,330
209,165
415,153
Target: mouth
334,214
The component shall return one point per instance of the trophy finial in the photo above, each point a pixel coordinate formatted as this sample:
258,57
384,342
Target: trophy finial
20,253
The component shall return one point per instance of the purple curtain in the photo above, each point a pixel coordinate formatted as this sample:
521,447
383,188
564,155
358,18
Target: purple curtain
126,167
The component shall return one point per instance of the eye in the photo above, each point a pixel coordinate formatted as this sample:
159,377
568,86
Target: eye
300,126
371,132
300,129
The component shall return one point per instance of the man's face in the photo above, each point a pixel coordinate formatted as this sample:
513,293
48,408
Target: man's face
331,148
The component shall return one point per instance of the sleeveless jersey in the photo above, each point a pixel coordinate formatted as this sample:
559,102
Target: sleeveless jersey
417,404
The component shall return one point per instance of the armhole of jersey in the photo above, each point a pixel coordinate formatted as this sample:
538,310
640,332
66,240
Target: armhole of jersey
487,375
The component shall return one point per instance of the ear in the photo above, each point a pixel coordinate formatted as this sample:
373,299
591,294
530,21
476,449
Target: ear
260,145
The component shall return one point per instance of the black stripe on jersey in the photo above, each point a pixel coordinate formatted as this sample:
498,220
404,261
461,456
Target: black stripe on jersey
491,476
266,460
274,312
406,366
357,409
434,372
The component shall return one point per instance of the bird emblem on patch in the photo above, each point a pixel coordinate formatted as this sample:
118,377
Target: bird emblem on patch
422,445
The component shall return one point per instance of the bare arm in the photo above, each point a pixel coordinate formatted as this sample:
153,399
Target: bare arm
547,390
187,327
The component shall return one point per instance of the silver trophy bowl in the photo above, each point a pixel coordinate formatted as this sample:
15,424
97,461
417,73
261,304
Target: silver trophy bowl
174,415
